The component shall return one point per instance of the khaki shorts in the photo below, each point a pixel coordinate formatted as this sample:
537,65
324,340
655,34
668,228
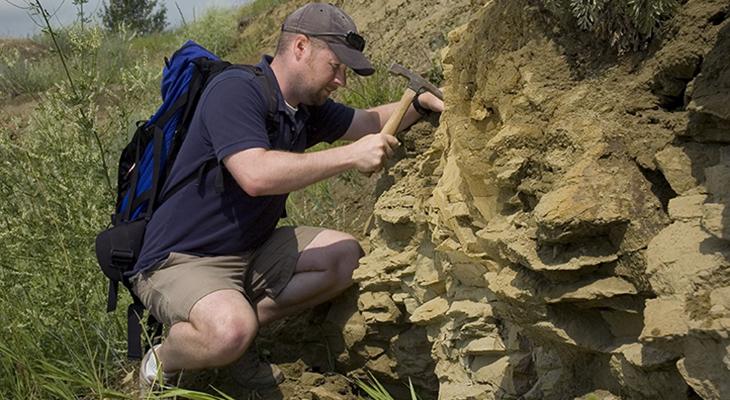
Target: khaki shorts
171,290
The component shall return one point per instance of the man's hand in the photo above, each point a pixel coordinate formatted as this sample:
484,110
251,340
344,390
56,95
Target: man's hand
374,119
433,103
371,151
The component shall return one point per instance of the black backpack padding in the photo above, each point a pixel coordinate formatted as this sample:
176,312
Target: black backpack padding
118,247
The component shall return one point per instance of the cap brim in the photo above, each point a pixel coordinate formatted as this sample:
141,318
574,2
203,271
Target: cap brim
352,58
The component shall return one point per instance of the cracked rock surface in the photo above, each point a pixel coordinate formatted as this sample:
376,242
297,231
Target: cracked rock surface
565,232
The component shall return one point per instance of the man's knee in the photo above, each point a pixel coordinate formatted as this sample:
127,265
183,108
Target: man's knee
335,253
350,256
345,258
226,325
229,338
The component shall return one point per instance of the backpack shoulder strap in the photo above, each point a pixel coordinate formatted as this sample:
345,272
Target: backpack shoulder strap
272,122
269,86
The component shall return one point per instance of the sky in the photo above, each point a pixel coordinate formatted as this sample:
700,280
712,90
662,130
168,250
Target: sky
15,21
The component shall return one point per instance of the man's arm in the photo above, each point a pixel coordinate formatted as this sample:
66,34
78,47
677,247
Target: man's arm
263,172
373,119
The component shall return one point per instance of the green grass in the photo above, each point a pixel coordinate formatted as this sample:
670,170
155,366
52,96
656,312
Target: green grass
249,49
215,30
368,91
91,55
376,391
19,76
56,340
258,7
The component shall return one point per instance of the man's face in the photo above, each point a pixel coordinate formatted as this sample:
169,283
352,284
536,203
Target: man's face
325,74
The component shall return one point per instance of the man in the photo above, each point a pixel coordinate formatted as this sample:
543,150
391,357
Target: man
213,266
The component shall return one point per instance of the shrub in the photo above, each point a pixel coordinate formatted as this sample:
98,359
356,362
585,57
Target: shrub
56,340
20,75
54,199
141,16
625,24
373,90
216,30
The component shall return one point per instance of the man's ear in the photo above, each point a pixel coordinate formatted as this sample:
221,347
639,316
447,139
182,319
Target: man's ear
300,46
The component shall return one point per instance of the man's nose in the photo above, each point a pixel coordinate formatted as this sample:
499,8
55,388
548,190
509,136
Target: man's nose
341,76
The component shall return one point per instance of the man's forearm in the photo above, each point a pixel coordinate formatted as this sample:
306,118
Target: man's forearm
263,172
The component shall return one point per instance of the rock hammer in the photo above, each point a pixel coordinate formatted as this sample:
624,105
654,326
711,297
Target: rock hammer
416,85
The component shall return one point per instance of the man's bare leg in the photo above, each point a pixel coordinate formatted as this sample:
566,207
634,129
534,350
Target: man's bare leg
222,326
323,271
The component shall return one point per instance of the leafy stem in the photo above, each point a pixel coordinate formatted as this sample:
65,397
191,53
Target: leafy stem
86,122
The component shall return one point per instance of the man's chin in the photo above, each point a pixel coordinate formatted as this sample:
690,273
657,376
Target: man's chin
318,101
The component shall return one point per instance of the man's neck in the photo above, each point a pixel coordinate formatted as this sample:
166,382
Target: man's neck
283,77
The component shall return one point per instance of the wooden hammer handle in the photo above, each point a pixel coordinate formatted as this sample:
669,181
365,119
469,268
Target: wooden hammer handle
391,126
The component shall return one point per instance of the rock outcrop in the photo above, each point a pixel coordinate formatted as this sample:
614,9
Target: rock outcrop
565,232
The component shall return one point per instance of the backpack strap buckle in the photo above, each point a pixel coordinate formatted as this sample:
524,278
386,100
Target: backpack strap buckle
122,258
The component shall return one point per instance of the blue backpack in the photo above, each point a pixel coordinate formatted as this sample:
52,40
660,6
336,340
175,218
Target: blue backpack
144,165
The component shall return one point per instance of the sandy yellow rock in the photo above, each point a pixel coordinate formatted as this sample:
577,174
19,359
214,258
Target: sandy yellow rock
492,344
687,207
601,288
378,307
676,166
470,309
665,318
430,312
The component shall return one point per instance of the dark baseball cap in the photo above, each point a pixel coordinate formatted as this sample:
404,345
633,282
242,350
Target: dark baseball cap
331,25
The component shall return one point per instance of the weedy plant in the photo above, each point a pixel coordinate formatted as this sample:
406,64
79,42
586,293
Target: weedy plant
376,391
625,24
19,75
215,30
57,341
54,191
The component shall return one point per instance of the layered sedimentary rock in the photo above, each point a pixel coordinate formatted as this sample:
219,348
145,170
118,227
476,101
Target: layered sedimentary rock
565,231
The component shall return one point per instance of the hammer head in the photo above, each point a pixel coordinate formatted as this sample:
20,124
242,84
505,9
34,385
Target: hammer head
415,82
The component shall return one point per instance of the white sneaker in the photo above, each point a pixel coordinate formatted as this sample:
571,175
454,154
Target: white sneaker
150,378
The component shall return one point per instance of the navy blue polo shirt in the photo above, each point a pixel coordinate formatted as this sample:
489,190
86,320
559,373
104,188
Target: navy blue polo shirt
231,117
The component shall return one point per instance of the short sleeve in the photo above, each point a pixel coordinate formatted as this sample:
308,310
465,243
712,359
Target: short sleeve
328,122
234,114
